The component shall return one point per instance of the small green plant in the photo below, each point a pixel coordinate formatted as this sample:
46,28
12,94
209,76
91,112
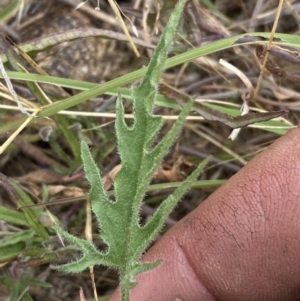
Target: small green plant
125,238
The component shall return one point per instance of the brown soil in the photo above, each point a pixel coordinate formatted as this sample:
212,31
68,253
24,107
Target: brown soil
36,165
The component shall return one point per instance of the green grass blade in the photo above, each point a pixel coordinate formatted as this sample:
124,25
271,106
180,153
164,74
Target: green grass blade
96,90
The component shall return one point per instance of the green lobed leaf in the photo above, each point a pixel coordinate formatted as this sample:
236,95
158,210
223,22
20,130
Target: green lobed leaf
139,160
90,255
163,211
119,224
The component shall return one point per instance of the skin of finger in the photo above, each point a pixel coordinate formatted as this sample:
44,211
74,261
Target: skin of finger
173,280
241,243
243,240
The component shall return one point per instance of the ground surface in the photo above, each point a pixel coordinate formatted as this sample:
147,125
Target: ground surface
40,169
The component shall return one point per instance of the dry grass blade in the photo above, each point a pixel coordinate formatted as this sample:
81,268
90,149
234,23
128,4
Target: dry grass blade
269,46
89,61
18,131
116,10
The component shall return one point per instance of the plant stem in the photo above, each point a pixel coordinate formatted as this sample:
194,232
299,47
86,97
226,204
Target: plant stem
124,293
